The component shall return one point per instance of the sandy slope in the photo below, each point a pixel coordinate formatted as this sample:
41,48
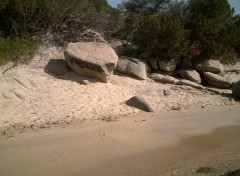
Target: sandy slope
31,97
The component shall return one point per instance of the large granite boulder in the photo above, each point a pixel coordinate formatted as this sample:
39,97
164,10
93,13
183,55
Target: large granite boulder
212,66
191,75
167,65
163,78
236,90
132,66
216,80
90,59
140,103
190,83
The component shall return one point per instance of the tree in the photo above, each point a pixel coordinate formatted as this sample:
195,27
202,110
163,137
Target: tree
208,22
156,26
144,6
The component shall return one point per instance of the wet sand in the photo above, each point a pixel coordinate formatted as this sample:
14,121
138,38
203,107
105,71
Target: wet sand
166,143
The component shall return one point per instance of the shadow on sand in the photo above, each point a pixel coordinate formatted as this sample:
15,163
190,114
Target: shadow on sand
59,69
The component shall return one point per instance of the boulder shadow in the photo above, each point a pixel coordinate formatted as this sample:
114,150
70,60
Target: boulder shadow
59,69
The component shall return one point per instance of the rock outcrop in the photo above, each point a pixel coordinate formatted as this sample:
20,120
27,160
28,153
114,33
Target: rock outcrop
90,59
212,66
140,103
163,78
167,65
190,83
216,80
191,75
132,66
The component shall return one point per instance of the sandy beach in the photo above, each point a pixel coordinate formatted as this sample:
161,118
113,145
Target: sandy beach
164,143
55,125
119,88
31,97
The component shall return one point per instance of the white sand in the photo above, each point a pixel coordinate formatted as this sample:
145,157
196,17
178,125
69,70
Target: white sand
30,96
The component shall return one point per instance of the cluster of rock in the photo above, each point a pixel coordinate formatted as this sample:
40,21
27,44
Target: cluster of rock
198,74
99,60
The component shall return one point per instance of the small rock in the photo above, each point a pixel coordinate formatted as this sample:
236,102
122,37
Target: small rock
190,83
212,66
167,92
167,65
191,75
140,103
216,80
163,78
85,82
132,66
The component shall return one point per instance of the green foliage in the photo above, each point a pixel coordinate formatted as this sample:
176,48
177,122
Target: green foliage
144,6
17,49
198,28
172,40
24,17
161,32
165,37
211,28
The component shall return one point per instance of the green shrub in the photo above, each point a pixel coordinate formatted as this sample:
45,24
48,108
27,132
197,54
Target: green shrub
31,17
212,29
199,29
165,37
17,49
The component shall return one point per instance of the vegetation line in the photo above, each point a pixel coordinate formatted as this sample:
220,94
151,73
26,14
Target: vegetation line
197,29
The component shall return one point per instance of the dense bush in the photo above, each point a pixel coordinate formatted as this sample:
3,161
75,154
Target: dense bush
23,17
165,37
156,29
212,27
17,49
201,29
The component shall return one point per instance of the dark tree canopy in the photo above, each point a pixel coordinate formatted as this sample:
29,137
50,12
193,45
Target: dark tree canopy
144,6
200,29
209,23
